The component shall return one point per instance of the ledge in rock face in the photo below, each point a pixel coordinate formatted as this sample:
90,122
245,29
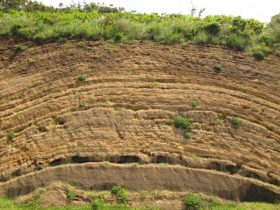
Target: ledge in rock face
102,176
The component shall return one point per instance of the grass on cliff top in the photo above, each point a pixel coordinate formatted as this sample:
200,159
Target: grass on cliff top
6,204
233,32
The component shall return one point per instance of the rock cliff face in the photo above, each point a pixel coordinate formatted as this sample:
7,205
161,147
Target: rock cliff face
123,113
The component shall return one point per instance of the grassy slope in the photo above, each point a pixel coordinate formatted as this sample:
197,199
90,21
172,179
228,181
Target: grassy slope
6,204
233,32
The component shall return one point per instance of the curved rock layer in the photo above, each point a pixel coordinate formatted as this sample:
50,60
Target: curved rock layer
123,111
147,177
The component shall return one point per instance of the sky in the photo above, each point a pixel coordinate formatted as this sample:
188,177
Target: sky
261,10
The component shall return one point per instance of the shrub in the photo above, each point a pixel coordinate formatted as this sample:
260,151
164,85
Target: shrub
259,55
118,37
120,193
182,122
10,136
81,45
31,61
192,202
71,196
82,104
20,48
235,121
236,42
212,28
203,38
97,204
217,68
77,151
187,135
15,31
82,77
143,195
194,104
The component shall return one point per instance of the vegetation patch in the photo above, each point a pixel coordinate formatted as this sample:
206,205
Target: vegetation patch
217,68
24,20
187,135
192,202
185,124
71,196
120,193
194,104
258,54
81,45
182,122
10,136
235,121
81,104
31,61
82,77
20,48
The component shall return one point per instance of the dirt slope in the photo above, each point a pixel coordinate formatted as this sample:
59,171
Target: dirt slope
123,112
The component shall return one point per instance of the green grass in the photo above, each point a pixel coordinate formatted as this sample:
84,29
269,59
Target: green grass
120,193
57,25
20,48
192,202
81,45
71,196
6,204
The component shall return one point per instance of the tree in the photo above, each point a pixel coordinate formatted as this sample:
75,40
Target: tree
273,28
6,5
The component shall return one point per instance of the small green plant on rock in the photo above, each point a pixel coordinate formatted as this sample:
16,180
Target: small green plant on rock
81,45
258,55
20,48
182,122
235,121
97,204
31,61
120,193
192,202
194,104
71,196
118,37
143,195
82,77
77,151
82,104
187,135
10,136
217,68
